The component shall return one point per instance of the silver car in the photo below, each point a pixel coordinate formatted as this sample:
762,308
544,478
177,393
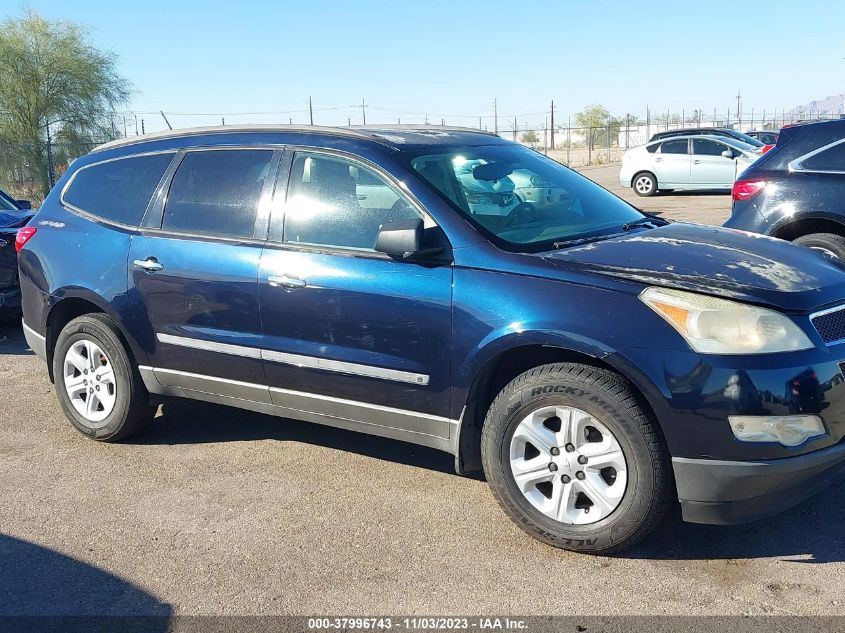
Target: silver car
685,162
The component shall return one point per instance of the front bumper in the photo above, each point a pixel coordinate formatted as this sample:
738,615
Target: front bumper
730,492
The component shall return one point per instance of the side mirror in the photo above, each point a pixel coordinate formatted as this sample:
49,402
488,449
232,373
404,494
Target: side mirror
401,239
728,154
24,204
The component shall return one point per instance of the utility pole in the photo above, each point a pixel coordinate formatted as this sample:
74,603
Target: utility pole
545,137
136,125
310,110
222,120
479,123
495,117
738,107
552,134
363,111
515,125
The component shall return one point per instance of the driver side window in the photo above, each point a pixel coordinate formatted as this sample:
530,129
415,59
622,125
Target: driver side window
335,202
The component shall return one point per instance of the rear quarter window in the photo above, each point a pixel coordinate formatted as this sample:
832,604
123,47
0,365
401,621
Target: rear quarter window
117,190
831,159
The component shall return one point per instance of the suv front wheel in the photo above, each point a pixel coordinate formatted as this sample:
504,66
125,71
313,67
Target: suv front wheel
99,388
574,460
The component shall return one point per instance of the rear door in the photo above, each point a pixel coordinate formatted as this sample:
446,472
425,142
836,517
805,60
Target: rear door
352,335
709,167
672,163
194,271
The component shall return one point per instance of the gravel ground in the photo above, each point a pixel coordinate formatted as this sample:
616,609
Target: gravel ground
219,511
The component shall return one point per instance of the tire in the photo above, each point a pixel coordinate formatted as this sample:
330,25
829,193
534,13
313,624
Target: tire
598,401
829,243
121,404
644,184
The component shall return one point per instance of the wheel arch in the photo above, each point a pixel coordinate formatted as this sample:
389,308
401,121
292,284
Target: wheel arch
498,370
73,304
807,225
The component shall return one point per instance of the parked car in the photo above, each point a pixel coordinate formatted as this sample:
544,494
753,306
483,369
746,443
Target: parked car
693,162
709,131
767,137
13,215
795,192
598,363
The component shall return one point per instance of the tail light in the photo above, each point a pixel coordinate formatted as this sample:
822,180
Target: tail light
24,235
766,148
746,189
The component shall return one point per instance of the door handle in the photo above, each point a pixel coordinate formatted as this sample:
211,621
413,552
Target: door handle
696,162
658,160
287,282
151,264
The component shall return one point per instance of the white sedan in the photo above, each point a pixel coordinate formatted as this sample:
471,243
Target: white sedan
693,162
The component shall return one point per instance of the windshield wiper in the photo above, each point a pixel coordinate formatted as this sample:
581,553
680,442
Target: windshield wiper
648,223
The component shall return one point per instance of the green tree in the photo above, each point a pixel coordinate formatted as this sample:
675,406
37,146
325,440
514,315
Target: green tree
597,122
529,137
51,75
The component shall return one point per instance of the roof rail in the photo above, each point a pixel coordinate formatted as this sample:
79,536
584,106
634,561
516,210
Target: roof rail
369,132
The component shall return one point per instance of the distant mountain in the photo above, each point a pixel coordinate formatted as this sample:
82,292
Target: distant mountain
828,105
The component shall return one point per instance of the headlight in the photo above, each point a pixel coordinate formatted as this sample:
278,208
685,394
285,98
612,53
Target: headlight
719,326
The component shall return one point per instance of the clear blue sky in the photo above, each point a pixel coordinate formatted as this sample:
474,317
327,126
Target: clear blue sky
451,59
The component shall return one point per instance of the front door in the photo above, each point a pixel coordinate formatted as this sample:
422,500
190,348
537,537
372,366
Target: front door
195,272
351,334
709,167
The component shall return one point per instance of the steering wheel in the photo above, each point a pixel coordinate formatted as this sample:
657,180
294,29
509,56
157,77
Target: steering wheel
523,212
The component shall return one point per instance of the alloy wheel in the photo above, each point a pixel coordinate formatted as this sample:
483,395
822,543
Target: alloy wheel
89,381
568,465
643,184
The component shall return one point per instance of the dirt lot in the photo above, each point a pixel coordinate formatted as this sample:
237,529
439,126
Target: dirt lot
214,510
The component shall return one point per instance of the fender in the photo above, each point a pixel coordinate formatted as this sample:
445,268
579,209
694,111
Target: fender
118,310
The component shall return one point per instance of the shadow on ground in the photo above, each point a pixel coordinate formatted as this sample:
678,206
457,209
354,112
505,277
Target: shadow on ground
811,532
12,341
194,422
43,590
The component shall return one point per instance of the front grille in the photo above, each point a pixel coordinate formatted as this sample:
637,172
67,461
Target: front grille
830,324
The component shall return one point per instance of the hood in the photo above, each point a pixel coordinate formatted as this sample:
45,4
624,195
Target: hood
716,261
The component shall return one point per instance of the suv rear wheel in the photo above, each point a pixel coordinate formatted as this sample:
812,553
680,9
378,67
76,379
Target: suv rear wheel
574,460
99,387
829,243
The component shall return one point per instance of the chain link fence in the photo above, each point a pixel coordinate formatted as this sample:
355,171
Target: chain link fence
29,170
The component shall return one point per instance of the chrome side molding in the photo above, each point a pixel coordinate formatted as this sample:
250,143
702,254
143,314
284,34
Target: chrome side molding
298,360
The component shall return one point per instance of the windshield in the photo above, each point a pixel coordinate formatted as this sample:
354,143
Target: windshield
520,199
6,202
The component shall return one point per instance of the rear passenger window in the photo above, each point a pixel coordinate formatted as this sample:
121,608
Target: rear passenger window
216,192
832,159
334,202
117,190
674,147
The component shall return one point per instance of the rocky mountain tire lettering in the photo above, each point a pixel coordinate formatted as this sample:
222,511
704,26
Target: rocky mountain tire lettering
573,391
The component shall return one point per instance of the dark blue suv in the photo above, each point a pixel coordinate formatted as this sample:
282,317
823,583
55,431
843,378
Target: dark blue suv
447,288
